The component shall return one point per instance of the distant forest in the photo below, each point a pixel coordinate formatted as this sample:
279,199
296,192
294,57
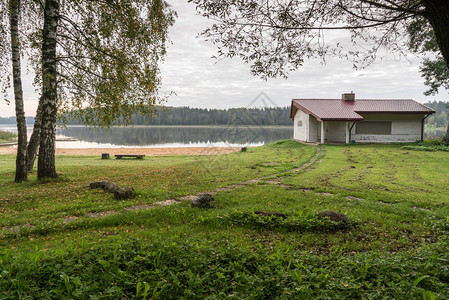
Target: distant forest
12,120
200,116
203,116
235,116
440,117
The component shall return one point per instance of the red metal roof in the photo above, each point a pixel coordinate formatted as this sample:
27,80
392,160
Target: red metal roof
337,109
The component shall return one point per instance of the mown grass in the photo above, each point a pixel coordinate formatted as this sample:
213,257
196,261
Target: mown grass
154,179
395,246
6,136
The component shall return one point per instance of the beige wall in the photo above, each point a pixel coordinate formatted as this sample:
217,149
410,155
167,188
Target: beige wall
404,128
335,131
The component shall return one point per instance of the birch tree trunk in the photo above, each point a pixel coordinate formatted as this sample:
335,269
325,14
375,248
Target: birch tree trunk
21,159
46,161
33,144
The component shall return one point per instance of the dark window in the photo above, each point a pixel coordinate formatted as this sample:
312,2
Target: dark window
373,127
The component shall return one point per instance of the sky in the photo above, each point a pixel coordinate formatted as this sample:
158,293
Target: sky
200,81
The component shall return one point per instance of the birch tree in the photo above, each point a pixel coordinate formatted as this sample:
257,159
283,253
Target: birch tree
21,160
99,62
11,14
96,61
46,161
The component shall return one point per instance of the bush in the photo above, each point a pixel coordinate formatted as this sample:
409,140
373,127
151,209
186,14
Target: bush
7,136
432,145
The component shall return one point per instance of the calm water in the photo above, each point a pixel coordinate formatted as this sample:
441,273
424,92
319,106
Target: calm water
167,136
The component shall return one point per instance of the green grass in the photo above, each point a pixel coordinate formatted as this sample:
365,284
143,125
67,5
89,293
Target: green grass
393,247
154,179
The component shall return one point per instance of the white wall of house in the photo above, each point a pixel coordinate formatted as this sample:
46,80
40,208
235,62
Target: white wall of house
301,126
306,127
404,128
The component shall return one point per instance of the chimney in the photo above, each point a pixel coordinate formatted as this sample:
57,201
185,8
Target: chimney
348,96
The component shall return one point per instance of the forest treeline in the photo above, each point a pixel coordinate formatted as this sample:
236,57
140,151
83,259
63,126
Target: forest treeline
12,120
233,116
201,116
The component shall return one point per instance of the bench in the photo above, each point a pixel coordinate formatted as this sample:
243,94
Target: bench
138,156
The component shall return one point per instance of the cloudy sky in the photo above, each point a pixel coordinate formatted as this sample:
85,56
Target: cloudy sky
200,81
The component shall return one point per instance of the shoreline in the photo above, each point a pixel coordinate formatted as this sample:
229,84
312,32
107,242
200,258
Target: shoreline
141,151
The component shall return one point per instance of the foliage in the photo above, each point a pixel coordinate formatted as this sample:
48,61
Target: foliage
169,115
109,55
7,136
436,75
435,71
398,249
172,269
428,146
441,113
277,37
27,16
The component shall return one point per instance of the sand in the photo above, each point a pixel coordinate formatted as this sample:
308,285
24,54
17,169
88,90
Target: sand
144,151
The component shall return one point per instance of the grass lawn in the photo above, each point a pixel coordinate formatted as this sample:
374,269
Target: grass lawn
394,245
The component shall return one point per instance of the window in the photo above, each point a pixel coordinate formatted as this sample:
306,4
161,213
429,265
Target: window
373,127
299,123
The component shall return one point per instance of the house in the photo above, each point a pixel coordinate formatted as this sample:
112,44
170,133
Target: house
353,120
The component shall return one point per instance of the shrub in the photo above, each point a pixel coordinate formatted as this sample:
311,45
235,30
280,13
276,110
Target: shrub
7,136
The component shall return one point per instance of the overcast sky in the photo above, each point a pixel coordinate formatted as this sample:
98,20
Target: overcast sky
200,81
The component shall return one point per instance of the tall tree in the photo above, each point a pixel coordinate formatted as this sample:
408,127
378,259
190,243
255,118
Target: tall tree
12,13
21,158
101,59
96,59
46,160
434,70
275,37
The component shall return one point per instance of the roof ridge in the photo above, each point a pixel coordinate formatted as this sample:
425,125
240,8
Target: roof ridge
358,99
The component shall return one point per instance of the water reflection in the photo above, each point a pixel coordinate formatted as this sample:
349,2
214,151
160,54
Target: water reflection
178,135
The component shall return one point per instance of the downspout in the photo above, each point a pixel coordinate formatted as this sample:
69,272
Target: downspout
422,128
350,130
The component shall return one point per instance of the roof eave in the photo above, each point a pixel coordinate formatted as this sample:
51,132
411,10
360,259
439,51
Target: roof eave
397,112
340,119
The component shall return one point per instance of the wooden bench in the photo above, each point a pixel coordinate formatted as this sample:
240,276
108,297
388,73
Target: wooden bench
138,156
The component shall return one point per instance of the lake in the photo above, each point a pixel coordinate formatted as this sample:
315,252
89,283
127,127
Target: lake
167,136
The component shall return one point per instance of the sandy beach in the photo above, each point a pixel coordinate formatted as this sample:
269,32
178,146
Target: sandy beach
143,151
